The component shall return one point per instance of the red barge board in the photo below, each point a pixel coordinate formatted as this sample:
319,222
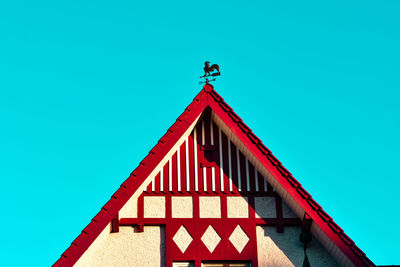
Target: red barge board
208,102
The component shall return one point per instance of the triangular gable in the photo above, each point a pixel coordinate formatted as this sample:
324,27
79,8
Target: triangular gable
224,169
289,188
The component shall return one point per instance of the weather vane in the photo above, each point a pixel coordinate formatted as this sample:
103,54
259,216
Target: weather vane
209,72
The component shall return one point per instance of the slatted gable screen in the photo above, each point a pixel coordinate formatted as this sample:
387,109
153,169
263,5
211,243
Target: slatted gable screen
208,162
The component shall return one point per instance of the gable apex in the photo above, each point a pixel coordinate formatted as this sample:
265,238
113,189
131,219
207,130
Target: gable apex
280,178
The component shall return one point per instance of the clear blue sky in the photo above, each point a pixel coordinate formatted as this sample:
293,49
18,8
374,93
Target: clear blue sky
88,87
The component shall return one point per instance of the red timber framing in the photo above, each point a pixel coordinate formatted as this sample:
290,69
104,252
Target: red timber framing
209,164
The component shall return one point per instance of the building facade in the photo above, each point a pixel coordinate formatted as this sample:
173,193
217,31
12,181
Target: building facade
211,194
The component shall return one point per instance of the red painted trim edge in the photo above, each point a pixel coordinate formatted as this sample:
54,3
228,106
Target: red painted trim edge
209,97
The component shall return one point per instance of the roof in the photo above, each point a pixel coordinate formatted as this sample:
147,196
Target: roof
208,97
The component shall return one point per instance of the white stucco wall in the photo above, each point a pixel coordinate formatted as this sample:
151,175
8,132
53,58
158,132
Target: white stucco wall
265,207
238,207
129,210
239,238
126,248
182,207
210,238
294,206
154,207
285,249
210,207
182,238
287,211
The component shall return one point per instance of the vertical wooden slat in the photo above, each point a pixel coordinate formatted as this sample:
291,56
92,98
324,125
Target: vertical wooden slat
242,162
252,178
224,140
203,135
239,174
211,132
213,179
182,167
200,157
170,174
196,166
174,172
187,158
265,184
216,158
279,212
162,179
178,169
247,175
205,179
234,175
156,180
191,162
221,162
230,164
256,180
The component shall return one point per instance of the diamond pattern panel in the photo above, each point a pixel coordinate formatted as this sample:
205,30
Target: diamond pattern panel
182,239
239,239
211,238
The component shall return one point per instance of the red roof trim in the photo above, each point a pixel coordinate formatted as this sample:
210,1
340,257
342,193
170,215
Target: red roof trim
289,183
209,97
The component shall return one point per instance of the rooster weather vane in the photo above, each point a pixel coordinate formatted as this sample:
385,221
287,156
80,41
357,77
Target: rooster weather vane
209,72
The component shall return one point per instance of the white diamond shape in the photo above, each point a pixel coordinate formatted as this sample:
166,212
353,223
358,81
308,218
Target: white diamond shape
182,239
239,239
211,238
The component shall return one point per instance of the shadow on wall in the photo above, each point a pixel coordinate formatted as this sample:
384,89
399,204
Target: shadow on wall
278,245
162,246
285,249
